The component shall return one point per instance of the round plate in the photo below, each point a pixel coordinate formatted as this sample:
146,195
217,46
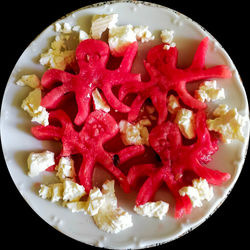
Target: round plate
15,127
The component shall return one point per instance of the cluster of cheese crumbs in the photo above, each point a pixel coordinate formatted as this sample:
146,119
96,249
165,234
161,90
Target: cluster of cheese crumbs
102,204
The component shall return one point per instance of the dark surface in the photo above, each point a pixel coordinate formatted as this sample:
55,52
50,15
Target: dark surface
227,22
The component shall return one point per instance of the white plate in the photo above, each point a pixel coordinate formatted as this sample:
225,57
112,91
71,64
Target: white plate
17,142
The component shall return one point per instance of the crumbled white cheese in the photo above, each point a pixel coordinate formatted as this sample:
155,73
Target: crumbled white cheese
39,162
32,81
120,37
134,134
63,27
173,104
167,36
208,91
199,191
31,104
41,116
228,122
45,191
111,218
72,191
156,209
143,34
57,192
77,206
58,56
99,102
185,119
65,169
94,202
102,22
83,35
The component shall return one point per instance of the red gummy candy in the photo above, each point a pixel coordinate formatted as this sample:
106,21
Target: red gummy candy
92,57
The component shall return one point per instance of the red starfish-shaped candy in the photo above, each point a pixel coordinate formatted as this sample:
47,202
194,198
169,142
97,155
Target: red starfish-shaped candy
99,127
166,140
161,65
92,57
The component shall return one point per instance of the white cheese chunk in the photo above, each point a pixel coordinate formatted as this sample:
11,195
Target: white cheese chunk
228,122
83,35
57,192
120,37
32,81
156,209
185,119
111,218
39,162
65,169
99,102
45,191
94,202
143,34
198,192
173,104
72,191
58,56
167,36
31,104
134,134
208,91
102,22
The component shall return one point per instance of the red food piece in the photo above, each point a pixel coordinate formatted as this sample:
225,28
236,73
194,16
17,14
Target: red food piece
99,128
92,56
161,65
176,158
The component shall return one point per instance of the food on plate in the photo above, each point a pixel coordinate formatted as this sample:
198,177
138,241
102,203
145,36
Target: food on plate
88,107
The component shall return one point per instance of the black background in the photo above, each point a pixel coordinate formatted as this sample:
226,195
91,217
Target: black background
22,21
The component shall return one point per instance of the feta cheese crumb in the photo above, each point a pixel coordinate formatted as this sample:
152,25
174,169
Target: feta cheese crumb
153,209
173,104
167,36
228,122
57,192
208,91
102,22
185,119
29,80
45,191
94,202
198,192
31,104
58,56
39,162
99,102
143,34
83,35
63,27
111,218
65,169
77,206
134,134
72,191
120,37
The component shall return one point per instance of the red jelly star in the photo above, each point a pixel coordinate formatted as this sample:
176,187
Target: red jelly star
161,65
176,158
92,57
99,128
